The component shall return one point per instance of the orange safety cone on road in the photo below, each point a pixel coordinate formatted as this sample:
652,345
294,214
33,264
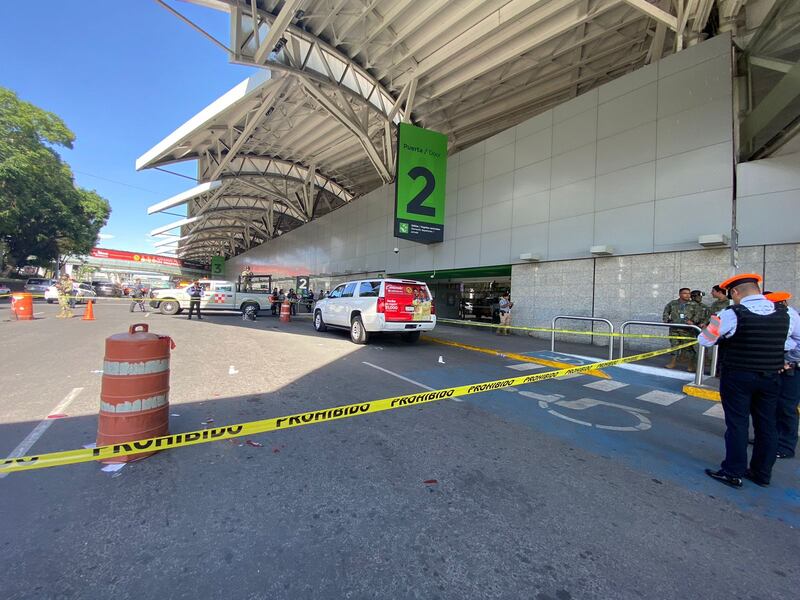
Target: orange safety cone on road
286,312
88,314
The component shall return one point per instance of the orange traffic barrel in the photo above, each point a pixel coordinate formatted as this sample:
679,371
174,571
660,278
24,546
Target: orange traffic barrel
134,396
22,306
286,311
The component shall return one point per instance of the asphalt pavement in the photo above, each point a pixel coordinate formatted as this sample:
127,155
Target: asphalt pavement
574,488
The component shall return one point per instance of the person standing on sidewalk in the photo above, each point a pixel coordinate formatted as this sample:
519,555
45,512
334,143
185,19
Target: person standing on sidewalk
504,306
720,302
195,292
684,311
787,418
752,335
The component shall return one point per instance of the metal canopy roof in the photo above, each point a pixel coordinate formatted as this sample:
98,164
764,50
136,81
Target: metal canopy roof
317,127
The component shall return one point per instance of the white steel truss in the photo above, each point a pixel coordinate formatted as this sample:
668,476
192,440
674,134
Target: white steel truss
317,126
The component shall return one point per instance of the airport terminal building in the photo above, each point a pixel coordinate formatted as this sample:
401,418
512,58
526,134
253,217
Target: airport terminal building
602,154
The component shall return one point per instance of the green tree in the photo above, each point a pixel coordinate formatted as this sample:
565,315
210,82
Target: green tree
42,212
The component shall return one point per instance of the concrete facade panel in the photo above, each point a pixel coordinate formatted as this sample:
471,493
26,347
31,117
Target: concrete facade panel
572,200
682,219
626,187
627,229
497,217
629,148
571,237
575,132
499,161
628,111
533,148
695,128
528,210
700,170
574,165
498,189
532,179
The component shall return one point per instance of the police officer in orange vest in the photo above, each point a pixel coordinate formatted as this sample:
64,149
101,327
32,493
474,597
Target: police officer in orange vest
751,335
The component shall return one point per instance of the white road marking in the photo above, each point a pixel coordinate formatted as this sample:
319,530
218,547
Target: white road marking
393,374
525,367
605,385
43,426
646,369
716,411
587,403
659,397
542,397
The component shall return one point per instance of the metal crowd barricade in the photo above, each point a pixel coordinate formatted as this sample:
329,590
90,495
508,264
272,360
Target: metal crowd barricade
574,318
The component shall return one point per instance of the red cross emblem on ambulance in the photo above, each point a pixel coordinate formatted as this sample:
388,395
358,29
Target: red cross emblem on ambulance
219,298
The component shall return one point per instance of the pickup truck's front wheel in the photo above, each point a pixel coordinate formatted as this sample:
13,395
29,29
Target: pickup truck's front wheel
170,307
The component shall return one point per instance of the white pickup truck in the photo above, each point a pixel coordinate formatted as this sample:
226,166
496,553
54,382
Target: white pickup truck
218,295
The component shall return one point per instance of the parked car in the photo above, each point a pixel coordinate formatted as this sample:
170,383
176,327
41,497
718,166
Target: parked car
83,292
37,285
378,305
5,292
107,288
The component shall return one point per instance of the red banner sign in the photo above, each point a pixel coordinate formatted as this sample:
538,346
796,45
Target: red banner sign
136,257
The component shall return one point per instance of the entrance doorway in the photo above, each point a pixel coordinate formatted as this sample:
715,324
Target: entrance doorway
469,294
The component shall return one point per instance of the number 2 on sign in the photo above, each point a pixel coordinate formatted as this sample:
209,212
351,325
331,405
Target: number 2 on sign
416,205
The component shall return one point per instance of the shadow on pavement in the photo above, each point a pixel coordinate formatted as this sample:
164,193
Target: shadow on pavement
445,500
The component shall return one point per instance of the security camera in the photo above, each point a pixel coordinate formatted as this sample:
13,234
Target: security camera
396,250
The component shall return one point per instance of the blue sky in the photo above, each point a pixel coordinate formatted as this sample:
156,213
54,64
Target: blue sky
122,74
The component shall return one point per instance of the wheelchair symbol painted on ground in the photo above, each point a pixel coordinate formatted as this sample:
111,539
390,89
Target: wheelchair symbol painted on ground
549,402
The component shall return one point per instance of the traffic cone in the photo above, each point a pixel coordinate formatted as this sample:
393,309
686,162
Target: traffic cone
88,314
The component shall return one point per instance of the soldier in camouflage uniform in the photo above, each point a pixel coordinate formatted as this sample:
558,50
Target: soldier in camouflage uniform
685,311
64,287
705,312
721,300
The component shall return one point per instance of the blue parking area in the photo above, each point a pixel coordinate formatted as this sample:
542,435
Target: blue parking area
640,419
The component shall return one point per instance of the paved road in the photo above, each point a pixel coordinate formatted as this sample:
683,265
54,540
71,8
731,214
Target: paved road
527,504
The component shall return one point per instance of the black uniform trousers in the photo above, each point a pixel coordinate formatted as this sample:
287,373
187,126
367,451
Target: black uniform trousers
194,305
746,393
788,419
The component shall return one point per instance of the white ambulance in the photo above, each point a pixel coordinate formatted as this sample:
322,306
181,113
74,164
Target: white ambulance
218,295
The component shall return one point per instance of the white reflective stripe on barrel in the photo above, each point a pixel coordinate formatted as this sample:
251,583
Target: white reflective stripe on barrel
135,368
135,405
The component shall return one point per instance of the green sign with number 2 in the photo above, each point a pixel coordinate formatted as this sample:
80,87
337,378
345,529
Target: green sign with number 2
421,172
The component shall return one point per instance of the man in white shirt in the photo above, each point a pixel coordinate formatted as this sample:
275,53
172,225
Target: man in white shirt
752,334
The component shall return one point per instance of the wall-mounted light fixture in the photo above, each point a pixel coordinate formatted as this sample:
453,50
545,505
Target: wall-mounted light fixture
713,240
601,250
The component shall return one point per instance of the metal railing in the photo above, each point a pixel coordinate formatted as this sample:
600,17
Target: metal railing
573,318
712,371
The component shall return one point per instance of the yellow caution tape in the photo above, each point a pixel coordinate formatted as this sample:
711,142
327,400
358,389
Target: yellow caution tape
215,434
551,330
